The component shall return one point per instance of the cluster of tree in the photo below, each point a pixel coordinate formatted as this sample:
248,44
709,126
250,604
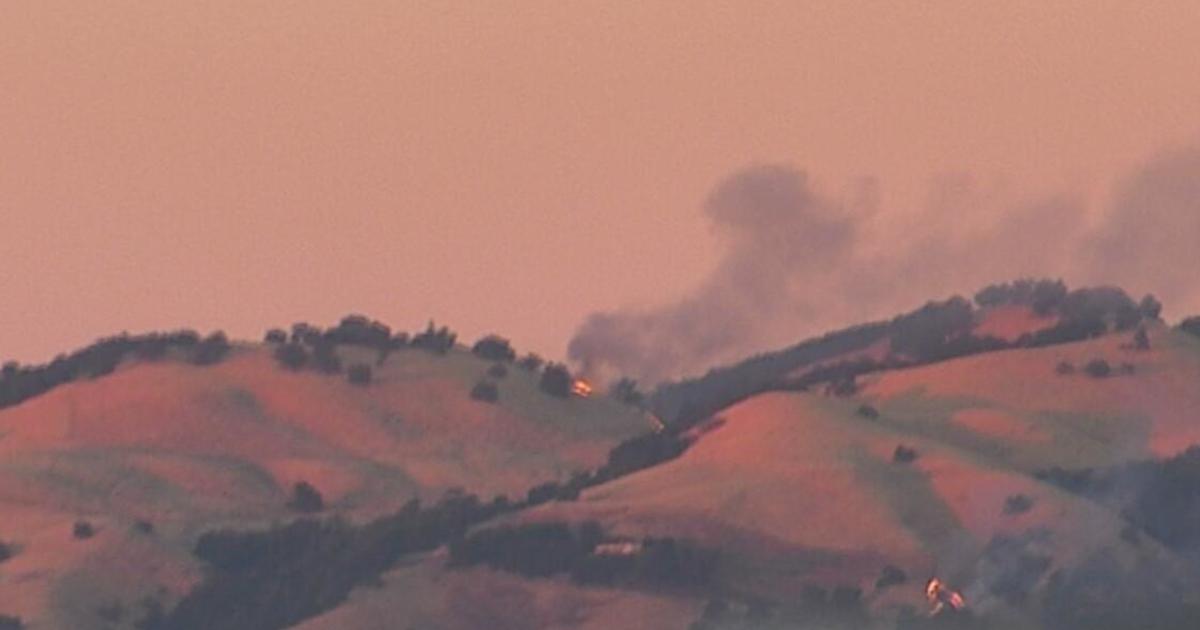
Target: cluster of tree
19,383
1159,497
556,548
306,498
556,380
838,608
276,578
435,340
935,332
1043,296
494,348
1191,325
626,391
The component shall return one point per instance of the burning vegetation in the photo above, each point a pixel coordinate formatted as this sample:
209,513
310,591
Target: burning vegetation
581,388
942,597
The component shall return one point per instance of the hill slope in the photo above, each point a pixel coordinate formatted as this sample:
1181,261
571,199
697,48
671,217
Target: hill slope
183,449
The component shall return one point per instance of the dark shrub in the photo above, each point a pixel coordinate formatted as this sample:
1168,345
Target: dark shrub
359,374
292,355
532,362
494,348
1065,367
1191,325
485,391
868,412
1150,307
276,335
626,391
325,356
359,330
143,527
556,380
303,332
1141,340
83,530
306,499
435,340
1017,504
497,370
890,576
904,455
211,350
6,551
11,623
1098,368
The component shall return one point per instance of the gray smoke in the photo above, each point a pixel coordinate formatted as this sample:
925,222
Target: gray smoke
799,261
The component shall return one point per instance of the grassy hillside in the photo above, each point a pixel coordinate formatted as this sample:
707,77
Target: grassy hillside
801,489
178,448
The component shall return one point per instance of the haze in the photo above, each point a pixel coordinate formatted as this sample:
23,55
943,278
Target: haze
515,167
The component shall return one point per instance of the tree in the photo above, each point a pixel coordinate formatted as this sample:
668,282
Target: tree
326,357
360,374
485,391
306,498
1097,368
1191,325
1150,307
211,350
1141,340
556,380
292,355
276,336
904,455
494,348
83,530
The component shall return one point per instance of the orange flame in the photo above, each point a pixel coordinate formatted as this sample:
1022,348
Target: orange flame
940,596
581,388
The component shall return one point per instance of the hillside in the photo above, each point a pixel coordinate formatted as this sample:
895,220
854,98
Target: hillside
160,450
801,490
1027,449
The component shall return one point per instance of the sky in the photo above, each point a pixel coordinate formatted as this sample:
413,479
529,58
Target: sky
516,167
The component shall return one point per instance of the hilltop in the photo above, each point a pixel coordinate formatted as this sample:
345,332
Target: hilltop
1029,448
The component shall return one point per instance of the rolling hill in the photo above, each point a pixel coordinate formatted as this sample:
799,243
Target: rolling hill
1015,450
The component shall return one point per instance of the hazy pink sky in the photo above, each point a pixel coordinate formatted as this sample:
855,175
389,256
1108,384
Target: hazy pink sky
512,166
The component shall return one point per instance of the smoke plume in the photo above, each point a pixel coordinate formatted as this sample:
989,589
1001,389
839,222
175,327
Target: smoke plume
799,261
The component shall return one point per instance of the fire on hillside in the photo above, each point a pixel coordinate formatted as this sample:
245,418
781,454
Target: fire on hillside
941,596
581,388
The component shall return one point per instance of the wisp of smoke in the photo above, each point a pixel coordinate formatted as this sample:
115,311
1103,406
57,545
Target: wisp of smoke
798,261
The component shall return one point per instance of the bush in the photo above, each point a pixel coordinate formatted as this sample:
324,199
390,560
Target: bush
10,623
1150,307
325,356
904,455
1098,368
1017,504
868,412
306,499
435,340
292,355
890,576
626,391
497,370
143,527
211,350
1191,325
1064,368
359,374
83,530
485,391
6,551
532,362
358,330
556,380
494,348
276,335
1141,340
